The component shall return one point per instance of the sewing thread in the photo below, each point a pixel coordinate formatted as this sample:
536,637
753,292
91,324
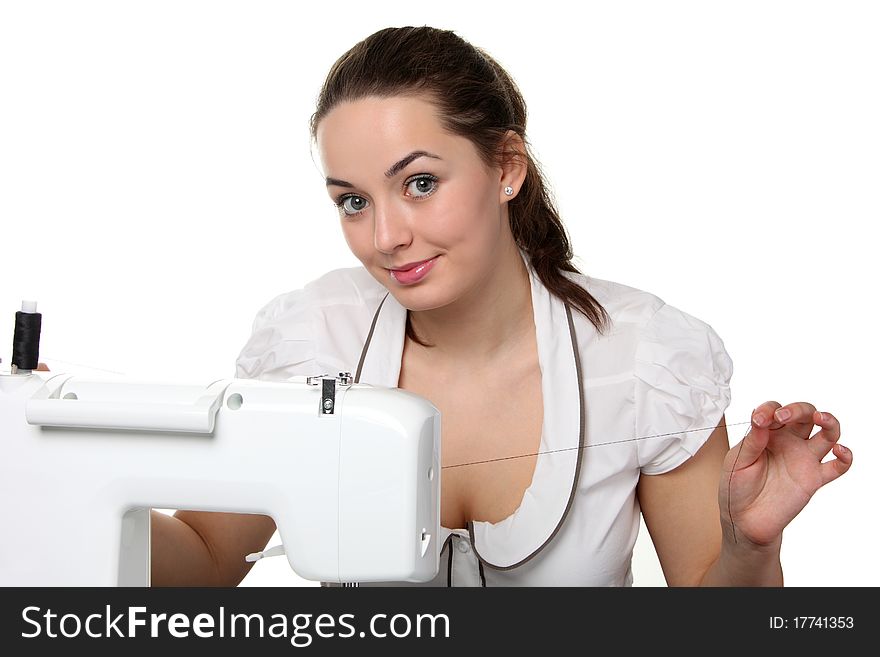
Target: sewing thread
26,340
568,449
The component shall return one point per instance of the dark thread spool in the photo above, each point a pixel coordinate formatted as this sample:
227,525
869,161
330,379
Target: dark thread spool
26,340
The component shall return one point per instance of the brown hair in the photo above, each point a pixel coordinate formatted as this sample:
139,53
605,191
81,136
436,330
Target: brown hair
476,99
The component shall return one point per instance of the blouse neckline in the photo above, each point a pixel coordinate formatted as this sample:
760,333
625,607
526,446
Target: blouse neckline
546,502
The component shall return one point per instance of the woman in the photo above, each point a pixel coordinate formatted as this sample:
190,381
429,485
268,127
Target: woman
569,403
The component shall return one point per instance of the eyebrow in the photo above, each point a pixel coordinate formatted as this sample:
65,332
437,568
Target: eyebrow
396,168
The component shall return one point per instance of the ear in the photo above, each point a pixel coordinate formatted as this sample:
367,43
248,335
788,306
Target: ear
514,164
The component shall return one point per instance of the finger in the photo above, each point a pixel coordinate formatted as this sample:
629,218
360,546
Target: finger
766,411
831,470
755,441
796,413
829,433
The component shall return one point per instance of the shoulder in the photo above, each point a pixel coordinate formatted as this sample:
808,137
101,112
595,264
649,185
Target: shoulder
340,288
630,309
319,327
640,314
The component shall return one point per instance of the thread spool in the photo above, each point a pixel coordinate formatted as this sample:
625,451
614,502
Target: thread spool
26,338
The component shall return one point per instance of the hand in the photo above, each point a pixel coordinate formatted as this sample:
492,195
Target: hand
774,470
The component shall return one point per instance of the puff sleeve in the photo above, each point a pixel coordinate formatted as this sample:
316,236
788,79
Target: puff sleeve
682,388
282,340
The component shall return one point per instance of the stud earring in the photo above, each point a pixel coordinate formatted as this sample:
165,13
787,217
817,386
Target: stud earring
508,190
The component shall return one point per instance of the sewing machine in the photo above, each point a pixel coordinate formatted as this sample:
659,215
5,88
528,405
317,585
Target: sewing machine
349,472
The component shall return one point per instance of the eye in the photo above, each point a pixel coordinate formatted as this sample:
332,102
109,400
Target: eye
425,185
357,206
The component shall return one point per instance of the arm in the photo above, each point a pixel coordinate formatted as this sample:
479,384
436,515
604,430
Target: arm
195,548
683,517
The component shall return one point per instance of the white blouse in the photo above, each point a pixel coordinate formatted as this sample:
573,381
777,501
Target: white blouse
640,399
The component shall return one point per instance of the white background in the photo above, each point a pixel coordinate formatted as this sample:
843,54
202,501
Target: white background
157,187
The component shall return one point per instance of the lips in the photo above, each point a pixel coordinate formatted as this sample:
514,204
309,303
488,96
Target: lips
415,273
410,265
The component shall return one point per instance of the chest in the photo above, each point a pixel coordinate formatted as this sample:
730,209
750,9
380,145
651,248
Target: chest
484,417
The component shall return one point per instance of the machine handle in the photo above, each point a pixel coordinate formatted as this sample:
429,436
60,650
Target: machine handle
195,417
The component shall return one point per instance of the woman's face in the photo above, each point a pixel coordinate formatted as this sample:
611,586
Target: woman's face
398,208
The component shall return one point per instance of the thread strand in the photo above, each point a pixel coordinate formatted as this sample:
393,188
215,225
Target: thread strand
568,449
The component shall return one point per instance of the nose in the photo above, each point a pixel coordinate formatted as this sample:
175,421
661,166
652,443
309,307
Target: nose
391,229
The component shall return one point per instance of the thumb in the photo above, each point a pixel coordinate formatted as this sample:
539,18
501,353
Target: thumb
753,443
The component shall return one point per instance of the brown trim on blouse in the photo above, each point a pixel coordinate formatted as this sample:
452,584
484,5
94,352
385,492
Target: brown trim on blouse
577,471
357,376
449,569
448,543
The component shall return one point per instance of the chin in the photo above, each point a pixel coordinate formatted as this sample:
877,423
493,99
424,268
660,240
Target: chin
421,300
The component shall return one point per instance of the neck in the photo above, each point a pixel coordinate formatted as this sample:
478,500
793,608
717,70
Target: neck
487,323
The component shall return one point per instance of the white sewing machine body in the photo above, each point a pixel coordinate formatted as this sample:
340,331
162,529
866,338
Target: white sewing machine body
353,485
